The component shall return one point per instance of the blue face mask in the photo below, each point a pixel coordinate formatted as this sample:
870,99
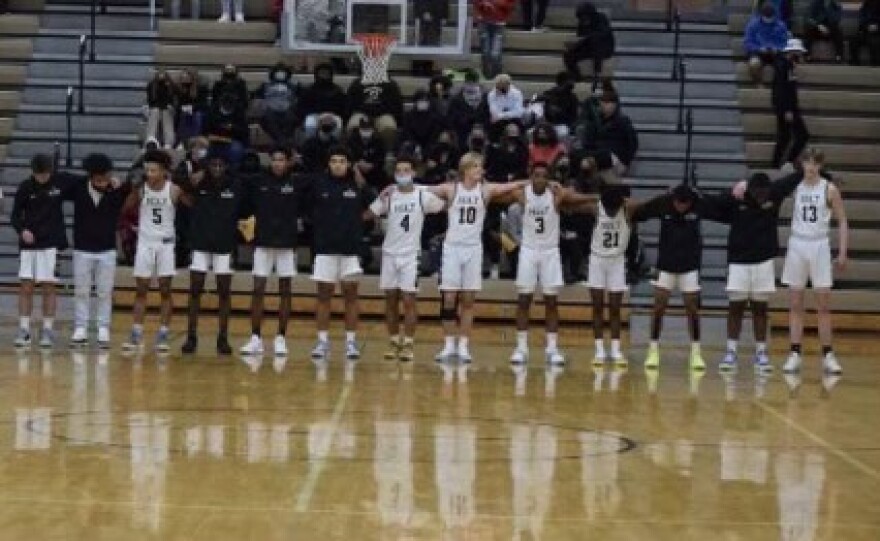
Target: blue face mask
403,180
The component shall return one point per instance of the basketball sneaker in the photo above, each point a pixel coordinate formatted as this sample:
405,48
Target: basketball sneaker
135,341
728,362
406,351
321,350
190,345
793,364
652,361
162,342
619,360
762,363
696,361
253,347
279,346
23,338
445,355
519,357
103,338
79,338
554,357
464,355
830,364
352,350
223,347
393,351
47,339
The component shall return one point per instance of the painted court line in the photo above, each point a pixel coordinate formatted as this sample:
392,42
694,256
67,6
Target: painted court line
305,493
839,453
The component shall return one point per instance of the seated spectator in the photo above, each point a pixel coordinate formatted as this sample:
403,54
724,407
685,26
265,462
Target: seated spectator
226,11
227,124
505,103
612,142
508,159
477,140
422,125
190,106
545,146
278,100
790,126
368,155
784,9
595,41
316,149
823,22
323,97
160,105
442,157
381,103
439,94
561,105
765,37
491,17
231,83
468,106
868,34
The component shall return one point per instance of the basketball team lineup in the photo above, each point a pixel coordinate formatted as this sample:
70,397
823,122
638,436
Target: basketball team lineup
338,207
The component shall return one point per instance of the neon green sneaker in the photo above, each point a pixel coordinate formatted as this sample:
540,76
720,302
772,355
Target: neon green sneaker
697,362
652,361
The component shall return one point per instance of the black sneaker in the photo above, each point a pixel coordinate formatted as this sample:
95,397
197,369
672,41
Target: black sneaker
223,347
191,344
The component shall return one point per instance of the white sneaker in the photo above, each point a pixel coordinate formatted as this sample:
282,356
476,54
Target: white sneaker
80,337
321,350
352,350
23,338
793,364
239,17
519,356
464,355
224,18
445,355
254,347
728,362
830,364
762,363
280,346
103,338
554,357
494,273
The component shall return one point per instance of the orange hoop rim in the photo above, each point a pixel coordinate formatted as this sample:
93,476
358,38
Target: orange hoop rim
374,44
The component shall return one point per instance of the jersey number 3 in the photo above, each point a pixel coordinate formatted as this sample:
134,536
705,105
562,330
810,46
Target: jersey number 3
467,215
810,213
539,225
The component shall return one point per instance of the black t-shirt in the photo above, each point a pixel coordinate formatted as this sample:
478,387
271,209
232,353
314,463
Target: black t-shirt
338,215
681,242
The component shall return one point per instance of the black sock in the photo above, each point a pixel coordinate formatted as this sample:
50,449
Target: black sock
826,350
796,348
255,331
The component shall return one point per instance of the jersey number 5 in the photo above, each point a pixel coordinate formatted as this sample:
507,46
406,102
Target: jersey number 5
467,215
810,213
157,216
611,239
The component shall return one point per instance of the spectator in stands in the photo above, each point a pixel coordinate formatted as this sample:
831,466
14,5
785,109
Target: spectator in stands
367,155
534,24
230,83
477,140
439,94
611,142
868,34
468,106
595,41
790,126
765,37
506,161
505,103
545,146
323,97
226,11
422,125
190,103
316,149
561,105
278,102
381,103
784,9
491,17
227,124
160,105
430,16
823,22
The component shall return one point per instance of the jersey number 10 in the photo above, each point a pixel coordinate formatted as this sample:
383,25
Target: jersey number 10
467,215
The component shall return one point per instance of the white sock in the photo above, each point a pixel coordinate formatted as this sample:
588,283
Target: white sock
24,322
615,347
552,341
395,339
522,340
695,347
47,323
350,336
138,328
600,347
323,336
449,343
731,345
408,340
655,344
761,347
463,342
163,329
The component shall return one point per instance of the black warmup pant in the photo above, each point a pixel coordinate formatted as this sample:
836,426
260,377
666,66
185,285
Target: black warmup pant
792,133
528,21
583,49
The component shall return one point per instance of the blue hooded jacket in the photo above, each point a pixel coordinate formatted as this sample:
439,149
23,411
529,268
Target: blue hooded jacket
765,35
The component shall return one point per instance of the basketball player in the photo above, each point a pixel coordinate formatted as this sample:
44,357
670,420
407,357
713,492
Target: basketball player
97,204
338,201
539,259
808,258
156,198
39,224
461,267
405,207
678,260
273,198
215,200
752,245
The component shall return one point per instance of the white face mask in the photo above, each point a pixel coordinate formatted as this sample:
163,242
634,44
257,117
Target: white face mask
403,180
201,153
422,106
366,134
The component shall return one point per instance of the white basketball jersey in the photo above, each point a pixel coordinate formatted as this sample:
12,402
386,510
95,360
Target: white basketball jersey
811,215
406,216
540,221
466,214
157,214
611,235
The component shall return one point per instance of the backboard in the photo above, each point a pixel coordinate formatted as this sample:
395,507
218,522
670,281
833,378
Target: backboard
421,27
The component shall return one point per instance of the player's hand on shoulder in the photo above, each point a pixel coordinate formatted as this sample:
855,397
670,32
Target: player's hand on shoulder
739,190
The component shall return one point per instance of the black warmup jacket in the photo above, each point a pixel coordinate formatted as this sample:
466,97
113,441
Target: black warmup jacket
275,203
681,242
338,207
38,209
94,226
213,218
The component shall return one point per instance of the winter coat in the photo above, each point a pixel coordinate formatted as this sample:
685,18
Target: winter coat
762,35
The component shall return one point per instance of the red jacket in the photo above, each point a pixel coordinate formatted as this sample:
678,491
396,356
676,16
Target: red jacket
493,11
277,8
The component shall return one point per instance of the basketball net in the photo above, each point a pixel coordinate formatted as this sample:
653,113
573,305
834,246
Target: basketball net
374,52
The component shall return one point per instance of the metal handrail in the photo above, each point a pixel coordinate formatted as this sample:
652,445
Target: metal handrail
688,147
83,45
69,113
682,78
93,16
675,43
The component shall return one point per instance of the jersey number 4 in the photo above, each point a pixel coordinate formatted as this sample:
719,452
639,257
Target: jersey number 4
467,215
404,224
157,216
611,239
810,213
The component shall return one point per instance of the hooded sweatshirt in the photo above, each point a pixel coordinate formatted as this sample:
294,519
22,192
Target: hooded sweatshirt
279,94
761,34
324,96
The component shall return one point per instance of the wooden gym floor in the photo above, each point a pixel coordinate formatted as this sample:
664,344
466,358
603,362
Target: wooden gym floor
104,447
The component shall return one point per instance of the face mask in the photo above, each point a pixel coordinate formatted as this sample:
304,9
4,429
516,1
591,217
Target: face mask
200,153
403,180
477,143
422,105
279,76
366,134
229,75
327,128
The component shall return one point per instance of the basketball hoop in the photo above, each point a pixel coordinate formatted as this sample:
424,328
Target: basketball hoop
374,51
